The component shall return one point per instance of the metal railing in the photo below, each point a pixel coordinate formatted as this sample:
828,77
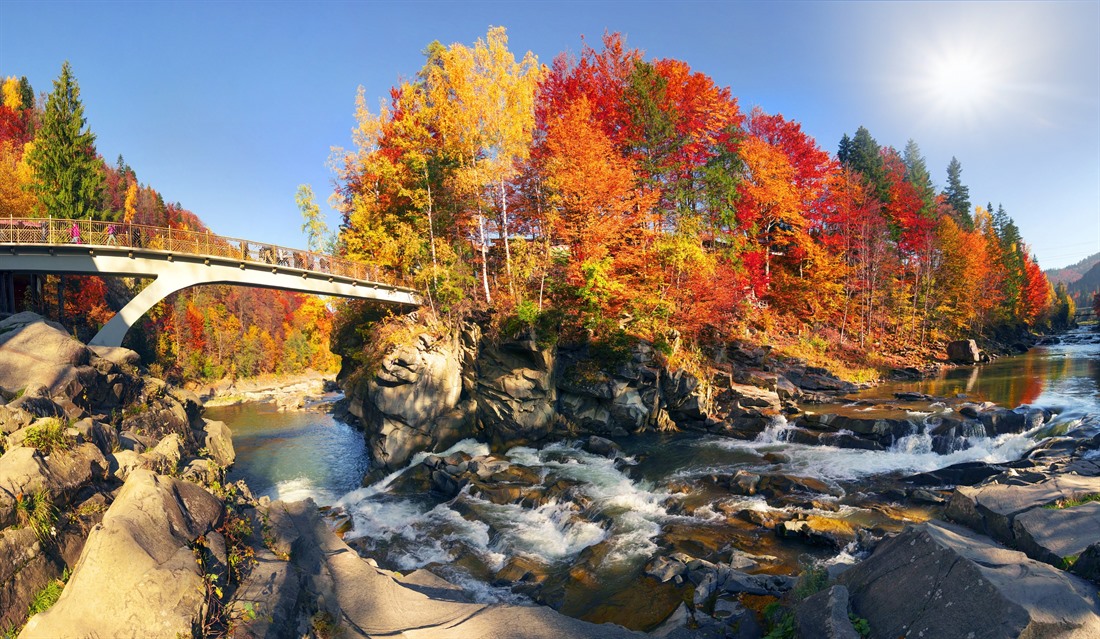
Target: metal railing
96,233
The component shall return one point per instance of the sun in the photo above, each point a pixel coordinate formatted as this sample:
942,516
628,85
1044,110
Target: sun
959,81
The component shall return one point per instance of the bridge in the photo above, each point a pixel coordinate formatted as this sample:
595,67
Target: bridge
177,259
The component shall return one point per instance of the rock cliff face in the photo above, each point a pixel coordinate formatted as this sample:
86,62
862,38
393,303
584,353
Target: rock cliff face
430,392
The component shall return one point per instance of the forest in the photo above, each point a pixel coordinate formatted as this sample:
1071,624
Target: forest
612,197
605,197
49,167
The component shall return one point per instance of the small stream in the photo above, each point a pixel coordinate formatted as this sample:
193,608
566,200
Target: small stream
620,513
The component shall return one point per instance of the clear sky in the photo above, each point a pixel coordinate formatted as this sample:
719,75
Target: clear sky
226,107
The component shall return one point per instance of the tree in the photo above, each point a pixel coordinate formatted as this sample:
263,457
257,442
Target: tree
318,238
67,173
916,173
957,194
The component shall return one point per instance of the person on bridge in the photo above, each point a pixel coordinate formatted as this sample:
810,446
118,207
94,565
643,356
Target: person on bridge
74,233
111,234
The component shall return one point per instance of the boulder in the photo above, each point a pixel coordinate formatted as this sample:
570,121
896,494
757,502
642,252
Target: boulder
602,446
1054,535
825,615
165,458
1087,565
411,403
515,391
964,351
122,463
137,575
990,509
218,442
24,471
36,351
941,580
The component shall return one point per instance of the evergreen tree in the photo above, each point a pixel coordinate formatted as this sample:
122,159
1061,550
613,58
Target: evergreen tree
865,155
26,94
957,194
1012,258
916,173
67,174
844,152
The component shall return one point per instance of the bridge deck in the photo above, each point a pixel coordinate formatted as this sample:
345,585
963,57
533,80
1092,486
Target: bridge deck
179,259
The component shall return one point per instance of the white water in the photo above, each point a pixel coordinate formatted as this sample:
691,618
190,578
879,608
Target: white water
910,454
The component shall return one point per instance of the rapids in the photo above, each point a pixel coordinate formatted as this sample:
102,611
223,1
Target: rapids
659,494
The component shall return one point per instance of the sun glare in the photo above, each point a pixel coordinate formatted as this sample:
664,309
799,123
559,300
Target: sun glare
959,82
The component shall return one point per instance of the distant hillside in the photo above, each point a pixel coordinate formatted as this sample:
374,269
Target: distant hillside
1085,286
1073,272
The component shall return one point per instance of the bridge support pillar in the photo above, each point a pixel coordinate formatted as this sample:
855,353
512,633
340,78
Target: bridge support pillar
114,330
7,293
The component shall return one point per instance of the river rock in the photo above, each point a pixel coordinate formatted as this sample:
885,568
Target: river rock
363,600
990,509
825,615
666,569
961,474
218,442
137,575
1087,565
964,351
602,446
940,580
1054,535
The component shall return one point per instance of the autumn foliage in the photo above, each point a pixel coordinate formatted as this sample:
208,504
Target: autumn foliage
644,202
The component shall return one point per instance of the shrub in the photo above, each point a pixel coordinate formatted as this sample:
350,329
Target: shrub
48,436
38,512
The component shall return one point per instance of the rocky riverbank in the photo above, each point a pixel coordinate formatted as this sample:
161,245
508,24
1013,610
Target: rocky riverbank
115,482
718,574
114,521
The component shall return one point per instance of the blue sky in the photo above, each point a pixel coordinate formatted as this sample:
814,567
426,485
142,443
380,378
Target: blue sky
227,107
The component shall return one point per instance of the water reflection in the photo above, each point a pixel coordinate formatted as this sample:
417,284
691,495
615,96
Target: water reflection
1064,377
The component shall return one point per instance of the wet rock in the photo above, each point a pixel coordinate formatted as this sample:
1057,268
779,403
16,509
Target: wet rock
962,474
1002,421
665,569
705,590
734,581
825,615
818,531
601,446
940,580
964,351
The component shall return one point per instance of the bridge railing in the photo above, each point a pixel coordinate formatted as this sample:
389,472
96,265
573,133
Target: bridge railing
58,231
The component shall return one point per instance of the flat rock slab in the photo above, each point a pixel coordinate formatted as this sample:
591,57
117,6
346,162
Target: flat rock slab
1052,535
941,580
991,509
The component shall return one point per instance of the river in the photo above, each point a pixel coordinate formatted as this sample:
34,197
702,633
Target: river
620,513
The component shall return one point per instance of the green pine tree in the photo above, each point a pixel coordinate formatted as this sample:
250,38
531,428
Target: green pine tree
957,194
916,173
67,174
